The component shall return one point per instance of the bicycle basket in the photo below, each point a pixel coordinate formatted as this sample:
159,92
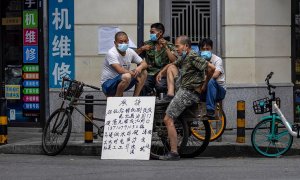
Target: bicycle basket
71,89
261,106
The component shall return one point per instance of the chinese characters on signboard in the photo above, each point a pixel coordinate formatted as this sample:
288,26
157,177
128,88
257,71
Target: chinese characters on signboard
61,41
31,73
128,128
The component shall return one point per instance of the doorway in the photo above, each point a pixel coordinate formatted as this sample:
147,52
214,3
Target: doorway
20,61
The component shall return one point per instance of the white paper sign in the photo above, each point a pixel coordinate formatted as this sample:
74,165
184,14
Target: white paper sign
128,128
106,38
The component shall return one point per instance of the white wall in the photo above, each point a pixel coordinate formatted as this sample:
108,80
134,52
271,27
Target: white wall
257,40
89,15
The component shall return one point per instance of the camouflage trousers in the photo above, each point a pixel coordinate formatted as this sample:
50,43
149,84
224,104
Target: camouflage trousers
182,99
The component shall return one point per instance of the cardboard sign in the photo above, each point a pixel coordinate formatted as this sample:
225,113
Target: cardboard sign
128,128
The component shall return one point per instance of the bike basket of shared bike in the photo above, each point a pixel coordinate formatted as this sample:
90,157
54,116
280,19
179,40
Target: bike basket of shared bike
264,105
71,89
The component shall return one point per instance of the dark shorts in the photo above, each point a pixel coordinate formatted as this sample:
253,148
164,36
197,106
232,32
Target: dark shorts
109,87
182,99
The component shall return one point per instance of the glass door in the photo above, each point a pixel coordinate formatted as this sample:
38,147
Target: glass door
20,60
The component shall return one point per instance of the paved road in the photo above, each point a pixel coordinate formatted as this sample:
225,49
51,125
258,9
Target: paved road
31,167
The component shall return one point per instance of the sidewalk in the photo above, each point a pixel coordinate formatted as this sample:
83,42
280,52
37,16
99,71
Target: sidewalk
28,141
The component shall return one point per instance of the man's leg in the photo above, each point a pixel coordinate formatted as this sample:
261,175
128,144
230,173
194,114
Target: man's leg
148,85
161,87
172,134
211,96
140,83
123,84
172,72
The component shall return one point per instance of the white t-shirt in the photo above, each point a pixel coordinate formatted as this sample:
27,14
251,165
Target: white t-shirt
114,57
218,63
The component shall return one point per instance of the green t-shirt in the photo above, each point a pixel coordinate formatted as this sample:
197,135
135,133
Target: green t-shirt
157,59
192,70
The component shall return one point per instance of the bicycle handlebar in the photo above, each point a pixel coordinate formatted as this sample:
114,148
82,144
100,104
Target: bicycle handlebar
270,86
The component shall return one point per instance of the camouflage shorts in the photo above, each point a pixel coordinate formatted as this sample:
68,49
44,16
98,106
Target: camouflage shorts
182,99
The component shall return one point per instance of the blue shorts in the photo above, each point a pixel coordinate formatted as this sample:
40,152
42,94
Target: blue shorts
109,87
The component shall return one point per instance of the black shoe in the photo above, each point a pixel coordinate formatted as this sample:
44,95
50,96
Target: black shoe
171,156
210,114
167,98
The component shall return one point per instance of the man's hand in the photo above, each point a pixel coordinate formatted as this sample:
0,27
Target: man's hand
146,47
163,42
158,77
136,72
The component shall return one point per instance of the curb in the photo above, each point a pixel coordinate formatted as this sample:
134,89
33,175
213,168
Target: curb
94,149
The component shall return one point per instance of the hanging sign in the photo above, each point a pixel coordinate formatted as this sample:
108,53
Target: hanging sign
61,41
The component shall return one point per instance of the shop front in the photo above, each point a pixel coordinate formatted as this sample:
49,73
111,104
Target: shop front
21,59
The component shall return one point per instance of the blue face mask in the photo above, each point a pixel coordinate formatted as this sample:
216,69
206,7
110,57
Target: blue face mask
123,47
153,37
206,55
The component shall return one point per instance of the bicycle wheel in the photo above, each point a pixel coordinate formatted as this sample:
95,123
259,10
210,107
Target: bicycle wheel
217,126
194,146
160,142
267,145
56,132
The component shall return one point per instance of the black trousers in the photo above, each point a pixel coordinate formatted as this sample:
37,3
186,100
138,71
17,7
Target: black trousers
151,85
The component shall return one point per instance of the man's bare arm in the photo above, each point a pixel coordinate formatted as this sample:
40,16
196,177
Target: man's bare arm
209,73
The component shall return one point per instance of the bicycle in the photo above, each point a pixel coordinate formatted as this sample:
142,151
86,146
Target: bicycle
58,127
217,125
187,123
57,130
273,135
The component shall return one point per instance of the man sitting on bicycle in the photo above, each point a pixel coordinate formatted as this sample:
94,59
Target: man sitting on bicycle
193,69
158,53
117,76
216,88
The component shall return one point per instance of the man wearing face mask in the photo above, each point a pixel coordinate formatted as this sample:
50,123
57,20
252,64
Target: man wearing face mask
158,52
116,75
195,71
216,88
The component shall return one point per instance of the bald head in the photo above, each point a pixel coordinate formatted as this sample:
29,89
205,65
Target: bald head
184,40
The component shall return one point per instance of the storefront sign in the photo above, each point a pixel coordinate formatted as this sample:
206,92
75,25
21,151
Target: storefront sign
12,92
30,68
30,4
30,54
11,21
31,106
31,76
61,41
30,37
31,91
31,83
31,98
30,19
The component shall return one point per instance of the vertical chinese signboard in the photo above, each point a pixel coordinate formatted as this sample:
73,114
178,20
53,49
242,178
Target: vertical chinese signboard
30,68
61,41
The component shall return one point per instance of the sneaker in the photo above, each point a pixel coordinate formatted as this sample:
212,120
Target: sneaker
171,156
167,98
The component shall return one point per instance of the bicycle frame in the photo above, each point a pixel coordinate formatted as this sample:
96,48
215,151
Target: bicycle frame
283,119
275,112
76,101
